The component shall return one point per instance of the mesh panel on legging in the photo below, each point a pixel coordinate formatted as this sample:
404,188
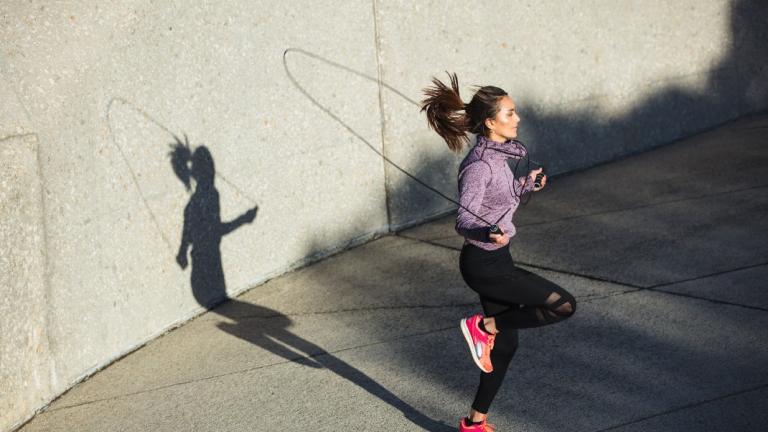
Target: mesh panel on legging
559,305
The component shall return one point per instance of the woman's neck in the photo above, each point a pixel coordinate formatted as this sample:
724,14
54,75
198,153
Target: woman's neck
496,138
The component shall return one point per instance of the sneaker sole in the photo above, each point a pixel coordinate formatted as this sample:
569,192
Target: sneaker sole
468,338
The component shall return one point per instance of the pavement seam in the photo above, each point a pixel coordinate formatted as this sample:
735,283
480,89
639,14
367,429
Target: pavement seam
684,407
539,267
336,311
707,275
654,204
619,210
294,360
711,300
427,242
382,119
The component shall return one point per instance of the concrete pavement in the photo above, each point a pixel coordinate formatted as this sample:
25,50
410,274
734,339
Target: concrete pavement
666,252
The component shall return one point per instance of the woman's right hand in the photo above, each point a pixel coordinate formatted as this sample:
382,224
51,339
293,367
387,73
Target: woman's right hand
501,240
181,259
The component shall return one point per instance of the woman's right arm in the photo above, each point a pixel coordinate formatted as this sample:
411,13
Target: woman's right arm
473,181
186,239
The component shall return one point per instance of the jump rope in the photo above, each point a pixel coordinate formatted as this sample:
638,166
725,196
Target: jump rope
493,228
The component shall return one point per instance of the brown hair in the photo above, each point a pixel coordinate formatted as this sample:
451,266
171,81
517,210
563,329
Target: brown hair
451,118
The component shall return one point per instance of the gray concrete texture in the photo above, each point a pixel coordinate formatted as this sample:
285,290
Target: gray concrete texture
286,98
368,339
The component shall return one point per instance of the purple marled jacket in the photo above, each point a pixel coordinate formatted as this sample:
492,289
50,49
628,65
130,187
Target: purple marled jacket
486,185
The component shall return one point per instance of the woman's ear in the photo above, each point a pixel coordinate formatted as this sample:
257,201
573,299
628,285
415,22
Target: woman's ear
489,123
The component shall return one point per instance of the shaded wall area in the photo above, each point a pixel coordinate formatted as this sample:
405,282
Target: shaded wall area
593,81
291,109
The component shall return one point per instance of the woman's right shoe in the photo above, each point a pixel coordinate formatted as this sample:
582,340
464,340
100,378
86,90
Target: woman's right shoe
480,343
480,427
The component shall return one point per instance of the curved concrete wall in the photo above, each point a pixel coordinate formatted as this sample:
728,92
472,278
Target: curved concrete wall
286,98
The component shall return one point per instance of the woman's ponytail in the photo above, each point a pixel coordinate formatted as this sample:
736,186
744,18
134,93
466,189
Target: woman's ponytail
181,156
446,112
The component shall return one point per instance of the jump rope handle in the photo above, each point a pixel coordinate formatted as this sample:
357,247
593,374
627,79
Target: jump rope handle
494,229
537,182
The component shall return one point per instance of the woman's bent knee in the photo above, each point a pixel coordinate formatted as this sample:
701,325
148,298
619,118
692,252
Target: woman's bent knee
506,343
569,308
564,305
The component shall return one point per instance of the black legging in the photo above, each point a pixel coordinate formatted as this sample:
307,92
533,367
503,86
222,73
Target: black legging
516,298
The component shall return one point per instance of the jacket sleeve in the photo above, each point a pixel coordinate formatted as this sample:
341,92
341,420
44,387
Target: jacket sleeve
473,181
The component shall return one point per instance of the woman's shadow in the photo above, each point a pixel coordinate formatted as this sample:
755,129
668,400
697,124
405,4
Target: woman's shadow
203,231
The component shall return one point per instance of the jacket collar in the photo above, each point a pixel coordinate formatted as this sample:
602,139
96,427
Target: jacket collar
499,150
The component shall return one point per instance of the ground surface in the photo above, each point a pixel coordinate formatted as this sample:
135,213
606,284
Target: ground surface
666,252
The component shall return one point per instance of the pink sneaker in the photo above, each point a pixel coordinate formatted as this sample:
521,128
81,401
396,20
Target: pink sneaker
482,427
480,343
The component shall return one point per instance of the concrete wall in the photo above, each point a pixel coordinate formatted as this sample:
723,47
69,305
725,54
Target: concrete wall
285,98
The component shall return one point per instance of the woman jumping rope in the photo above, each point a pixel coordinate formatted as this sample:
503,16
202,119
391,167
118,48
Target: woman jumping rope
511,297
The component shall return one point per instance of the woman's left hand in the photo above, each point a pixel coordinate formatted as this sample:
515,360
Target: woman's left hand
532,177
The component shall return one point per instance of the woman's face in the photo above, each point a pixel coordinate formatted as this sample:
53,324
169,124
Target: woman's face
504,125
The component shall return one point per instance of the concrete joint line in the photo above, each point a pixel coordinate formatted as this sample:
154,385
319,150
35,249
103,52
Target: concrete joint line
685,407
654,204
655,288
255,368
382,135
554,270
711,300
352,310
426,242
21,135
52,372
707,275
